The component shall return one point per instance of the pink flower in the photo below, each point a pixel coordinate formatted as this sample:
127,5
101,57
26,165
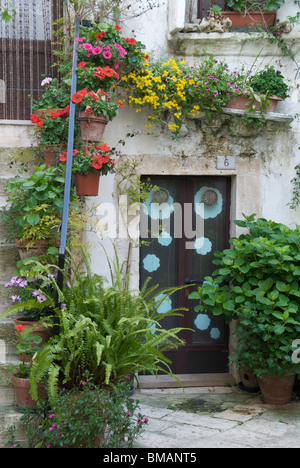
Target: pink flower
128,413
107,55
88,46
51,415
80,39
122,52
146,420
96,50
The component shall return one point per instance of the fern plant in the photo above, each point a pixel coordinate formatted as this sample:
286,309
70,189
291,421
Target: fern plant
108,331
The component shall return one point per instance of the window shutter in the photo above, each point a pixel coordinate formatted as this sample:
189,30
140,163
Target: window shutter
26,53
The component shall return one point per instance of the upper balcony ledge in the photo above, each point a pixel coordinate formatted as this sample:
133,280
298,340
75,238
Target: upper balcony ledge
190,42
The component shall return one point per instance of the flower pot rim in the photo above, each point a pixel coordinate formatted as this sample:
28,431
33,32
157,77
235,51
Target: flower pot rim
248,12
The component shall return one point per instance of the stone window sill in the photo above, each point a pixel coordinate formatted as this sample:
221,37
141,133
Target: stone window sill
190,42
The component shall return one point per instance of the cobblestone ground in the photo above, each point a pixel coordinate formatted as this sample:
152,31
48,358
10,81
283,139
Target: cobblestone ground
216,418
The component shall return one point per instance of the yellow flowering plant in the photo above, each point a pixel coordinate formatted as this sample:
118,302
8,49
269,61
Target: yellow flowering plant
182,90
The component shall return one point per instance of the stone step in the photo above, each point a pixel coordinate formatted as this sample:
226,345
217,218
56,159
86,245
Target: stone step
5,296
12,159
9,256
10,417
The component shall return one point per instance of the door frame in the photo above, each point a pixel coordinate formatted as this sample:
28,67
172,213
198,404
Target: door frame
194,379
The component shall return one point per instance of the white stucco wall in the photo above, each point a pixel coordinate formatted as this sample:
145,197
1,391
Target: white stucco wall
265,163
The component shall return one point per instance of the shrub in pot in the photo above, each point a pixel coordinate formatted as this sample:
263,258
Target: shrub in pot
86,417
257,284
34,207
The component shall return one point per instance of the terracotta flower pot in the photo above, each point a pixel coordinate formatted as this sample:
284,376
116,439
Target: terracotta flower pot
87,185
34,251
251,18
52,152
240,102
44,114
277,390
92,127
22,392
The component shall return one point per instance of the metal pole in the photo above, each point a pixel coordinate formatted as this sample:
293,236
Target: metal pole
68,176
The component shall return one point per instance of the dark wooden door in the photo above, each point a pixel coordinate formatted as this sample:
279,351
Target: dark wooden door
185,222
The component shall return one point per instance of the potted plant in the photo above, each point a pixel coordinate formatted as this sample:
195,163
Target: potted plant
27,345
88,164
103,55
88,416
52,133
252,12
257,283
30,295
261,91
34,209
55,98
94,112
111,332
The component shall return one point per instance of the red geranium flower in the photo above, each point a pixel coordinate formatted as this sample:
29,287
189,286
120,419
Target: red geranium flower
64,111
130,41
81,64
105,158
34,118
63,156
103,147
117,27
99,73
108,71
100,35
54,115
97,162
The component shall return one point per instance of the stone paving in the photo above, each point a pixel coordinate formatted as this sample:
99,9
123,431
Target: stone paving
216,418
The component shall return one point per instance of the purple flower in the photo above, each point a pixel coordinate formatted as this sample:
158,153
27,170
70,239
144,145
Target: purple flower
146,420
15,299
83,383
41,298
128,413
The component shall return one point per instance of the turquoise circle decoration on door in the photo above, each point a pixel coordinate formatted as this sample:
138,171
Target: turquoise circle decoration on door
202,245
165,304
202,322
208,202
159,207
164,239
151,263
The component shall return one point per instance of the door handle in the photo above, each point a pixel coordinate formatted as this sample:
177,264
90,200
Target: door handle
189,281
